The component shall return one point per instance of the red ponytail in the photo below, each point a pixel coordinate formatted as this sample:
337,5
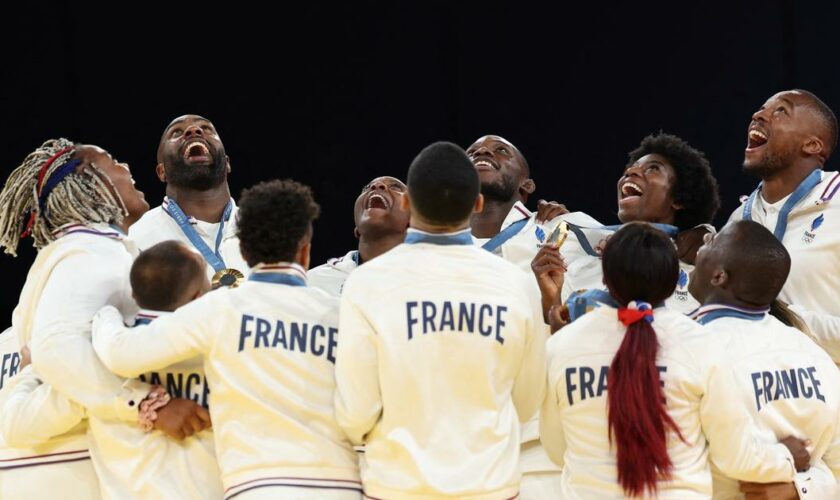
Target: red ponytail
636,413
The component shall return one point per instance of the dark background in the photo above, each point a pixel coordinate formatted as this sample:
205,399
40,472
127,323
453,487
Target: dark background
334,95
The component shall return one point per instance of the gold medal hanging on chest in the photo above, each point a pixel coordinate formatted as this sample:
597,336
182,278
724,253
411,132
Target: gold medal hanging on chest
229,277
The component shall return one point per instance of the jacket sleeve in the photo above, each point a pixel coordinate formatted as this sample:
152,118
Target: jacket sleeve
34,412
552,436
529,385
358,401
62,353
736,445
165,341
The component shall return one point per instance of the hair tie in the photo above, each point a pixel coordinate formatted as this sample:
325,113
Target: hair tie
43,190
635,311
57,176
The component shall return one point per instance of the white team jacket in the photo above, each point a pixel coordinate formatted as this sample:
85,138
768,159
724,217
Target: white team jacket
574,429
69,281
41,447
156,226
165,467
522,247
442,347
268,353
813,240
85,270
786,382
330,277
586,273
520,251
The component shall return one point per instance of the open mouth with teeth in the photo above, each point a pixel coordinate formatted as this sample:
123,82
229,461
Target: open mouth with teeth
483,164
630,188
377,201
756,138
196,152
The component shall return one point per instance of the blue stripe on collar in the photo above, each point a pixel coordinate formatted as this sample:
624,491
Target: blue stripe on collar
707,314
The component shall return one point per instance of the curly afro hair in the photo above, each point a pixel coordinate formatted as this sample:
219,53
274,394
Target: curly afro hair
274,216
696,189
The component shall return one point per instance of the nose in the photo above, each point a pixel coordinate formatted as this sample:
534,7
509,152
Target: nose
481,151
759,115
634,170
380,185
193,131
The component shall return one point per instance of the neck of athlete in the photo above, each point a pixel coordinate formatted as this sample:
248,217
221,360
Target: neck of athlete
372,247
420,225
728,298
488,222
206,206
784,182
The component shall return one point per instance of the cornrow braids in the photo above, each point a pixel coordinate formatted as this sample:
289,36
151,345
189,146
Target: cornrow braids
85,196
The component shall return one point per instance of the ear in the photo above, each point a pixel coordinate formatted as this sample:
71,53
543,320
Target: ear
198,293
227,162
526,188
814,146
405,203
356,233
720,278
479,204
161,172
302,256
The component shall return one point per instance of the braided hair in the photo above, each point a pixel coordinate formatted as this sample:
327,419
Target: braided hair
85,195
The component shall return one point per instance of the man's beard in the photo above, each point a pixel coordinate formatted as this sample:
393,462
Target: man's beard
770,164
502,190
197,177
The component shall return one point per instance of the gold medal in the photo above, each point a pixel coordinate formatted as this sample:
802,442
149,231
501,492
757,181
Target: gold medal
230,278
559,235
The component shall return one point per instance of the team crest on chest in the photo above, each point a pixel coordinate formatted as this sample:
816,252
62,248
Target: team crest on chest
810,233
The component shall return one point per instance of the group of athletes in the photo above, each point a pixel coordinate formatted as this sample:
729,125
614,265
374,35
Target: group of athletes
469,347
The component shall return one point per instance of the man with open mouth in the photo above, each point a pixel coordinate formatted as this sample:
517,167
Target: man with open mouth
506,227
789,139
381,225
198,208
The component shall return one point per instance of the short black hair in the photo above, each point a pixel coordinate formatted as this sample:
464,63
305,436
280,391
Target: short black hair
274,216
696,189
161,274
640,262
443,184
756,262
827,115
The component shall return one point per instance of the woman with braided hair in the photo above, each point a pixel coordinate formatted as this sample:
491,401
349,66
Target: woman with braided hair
629,408
76,202
60,184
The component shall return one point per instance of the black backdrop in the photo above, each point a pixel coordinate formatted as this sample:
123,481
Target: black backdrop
333,95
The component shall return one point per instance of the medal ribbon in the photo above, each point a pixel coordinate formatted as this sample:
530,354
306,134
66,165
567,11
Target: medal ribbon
805,187
213,257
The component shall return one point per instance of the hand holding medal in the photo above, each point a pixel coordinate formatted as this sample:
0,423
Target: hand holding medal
550,268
